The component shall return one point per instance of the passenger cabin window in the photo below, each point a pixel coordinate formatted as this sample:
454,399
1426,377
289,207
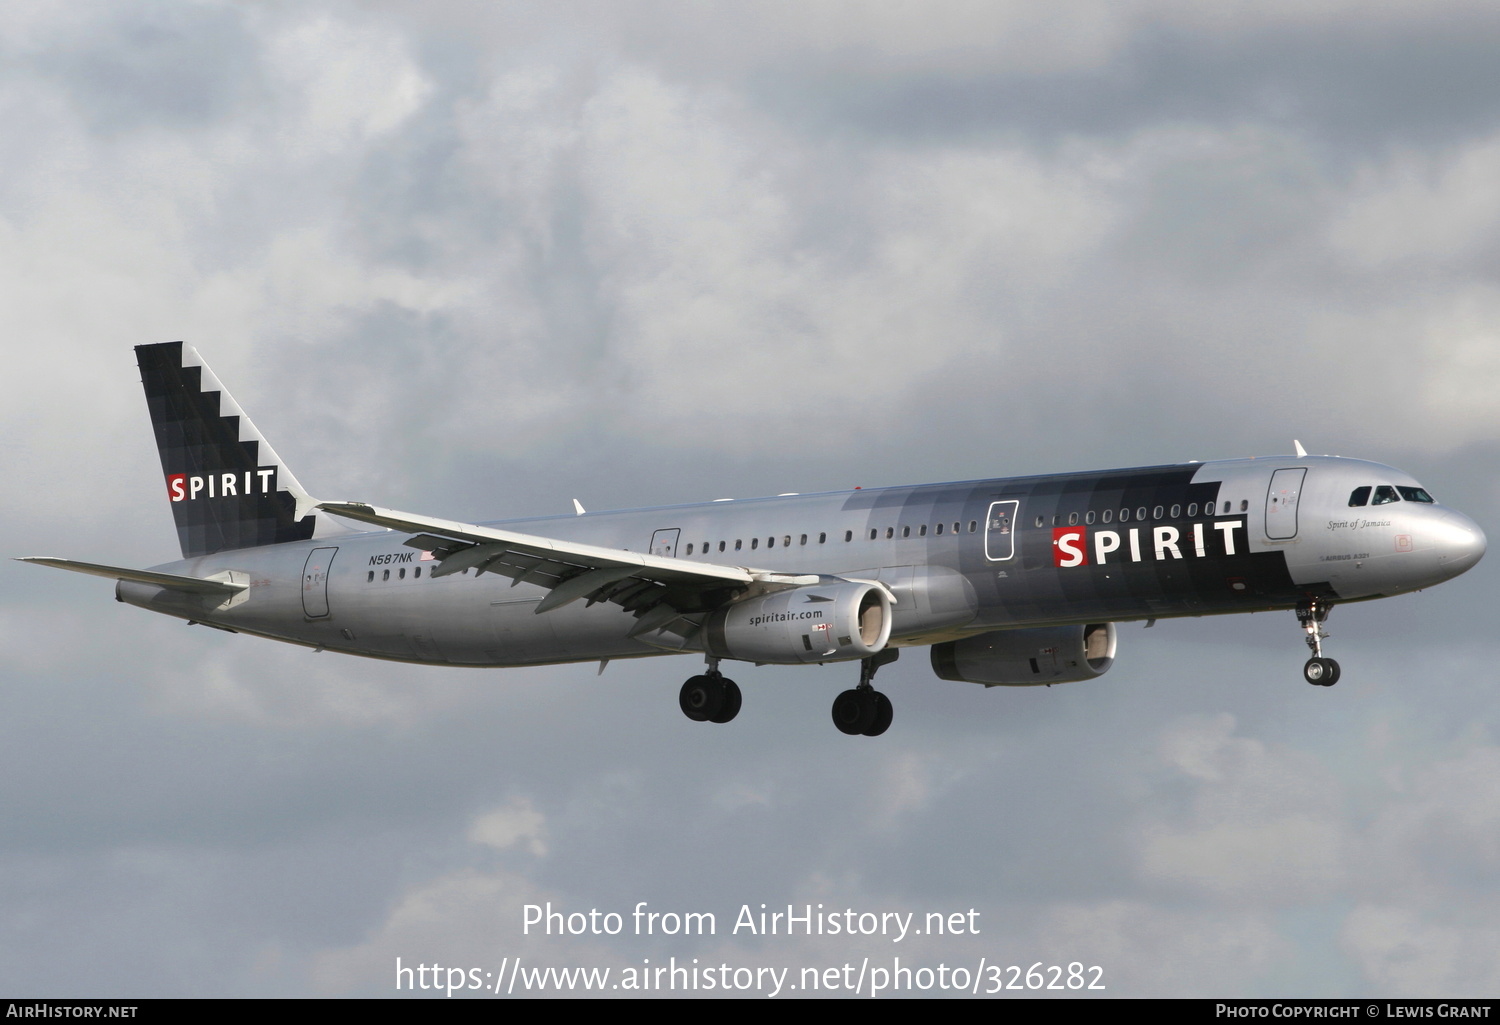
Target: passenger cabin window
1192,509
1107,515
1385,495
1414,494
1359,496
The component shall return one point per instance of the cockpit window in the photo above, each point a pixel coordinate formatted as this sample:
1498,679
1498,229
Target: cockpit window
1414,494
1384,495
1359,496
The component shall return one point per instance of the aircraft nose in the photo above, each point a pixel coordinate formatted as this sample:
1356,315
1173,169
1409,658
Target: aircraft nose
1460,542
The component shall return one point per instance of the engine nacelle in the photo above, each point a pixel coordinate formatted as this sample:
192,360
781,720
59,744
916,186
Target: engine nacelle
1023,658
832,622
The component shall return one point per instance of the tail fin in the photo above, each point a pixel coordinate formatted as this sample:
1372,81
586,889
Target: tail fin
227,486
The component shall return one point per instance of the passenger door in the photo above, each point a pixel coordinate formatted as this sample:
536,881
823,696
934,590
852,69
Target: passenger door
1281,503
315,582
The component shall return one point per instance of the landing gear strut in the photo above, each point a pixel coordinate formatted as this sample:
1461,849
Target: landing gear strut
711,697
864,710
1319,671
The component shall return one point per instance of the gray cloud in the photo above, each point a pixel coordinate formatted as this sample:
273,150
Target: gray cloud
485,261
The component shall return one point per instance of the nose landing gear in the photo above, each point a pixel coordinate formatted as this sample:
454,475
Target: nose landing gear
1318,671
864,710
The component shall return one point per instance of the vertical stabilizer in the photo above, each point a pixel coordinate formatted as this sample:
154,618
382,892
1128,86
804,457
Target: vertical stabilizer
227,486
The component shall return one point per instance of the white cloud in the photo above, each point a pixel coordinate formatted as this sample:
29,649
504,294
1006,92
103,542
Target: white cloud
1265,824
515,824
1417,210
350,83
728,314
1405,954
1147,949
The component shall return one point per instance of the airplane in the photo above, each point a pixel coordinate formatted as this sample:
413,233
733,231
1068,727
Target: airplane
1009,582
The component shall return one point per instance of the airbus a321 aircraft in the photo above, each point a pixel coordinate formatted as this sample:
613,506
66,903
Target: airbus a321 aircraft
1011,582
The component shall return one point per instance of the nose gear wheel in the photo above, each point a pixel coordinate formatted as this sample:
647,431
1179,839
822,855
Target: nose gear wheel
1321,672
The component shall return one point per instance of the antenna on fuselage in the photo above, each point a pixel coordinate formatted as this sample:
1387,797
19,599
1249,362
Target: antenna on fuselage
1301,452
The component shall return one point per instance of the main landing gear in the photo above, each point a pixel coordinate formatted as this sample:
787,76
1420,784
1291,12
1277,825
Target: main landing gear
712,697
1319,671
864,711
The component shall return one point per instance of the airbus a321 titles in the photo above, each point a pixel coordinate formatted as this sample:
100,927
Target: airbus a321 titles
1007,582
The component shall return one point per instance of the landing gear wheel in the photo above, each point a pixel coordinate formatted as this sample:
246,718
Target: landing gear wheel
853,712
1318,671
704,697
884,713
1321,672
732,700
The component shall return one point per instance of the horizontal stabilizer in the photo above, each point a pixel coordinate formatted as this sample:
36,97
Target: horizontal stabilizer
191,585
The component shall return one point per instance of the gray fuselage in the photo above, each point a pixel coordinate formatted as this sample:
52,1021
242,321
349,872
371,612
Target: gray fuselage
960,559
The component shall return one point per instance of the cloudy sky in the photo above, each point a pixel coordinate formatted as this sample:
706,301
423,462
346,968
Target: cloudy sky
479,259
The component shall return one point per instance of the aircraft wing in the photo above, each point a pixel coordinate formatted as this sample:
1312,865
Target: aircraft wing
657,589
173,581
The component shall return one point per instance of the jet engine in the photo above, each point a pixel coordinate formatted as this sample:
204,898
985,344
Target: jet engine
832,622
1022,658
